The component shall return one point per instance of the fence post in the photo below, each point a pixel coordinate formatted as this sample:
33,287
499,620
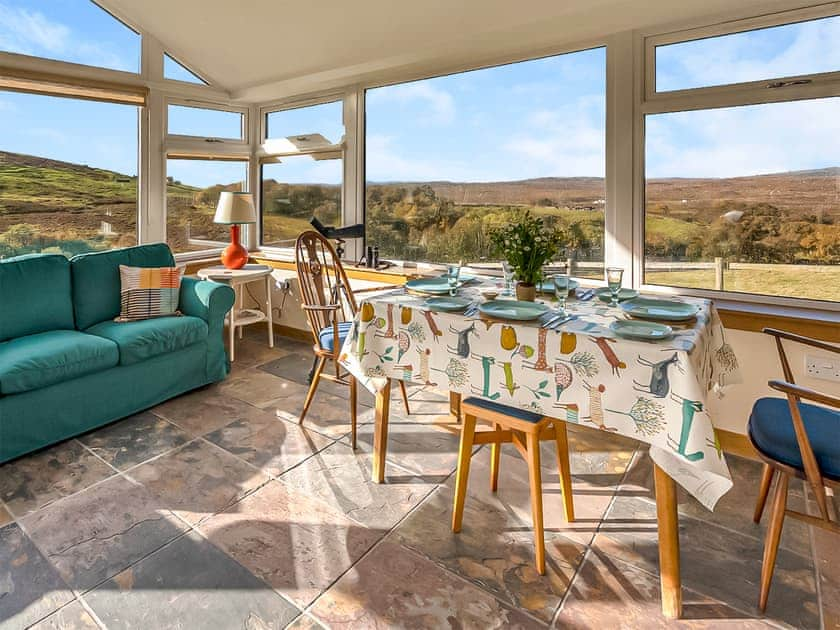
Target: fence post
719,267
569,268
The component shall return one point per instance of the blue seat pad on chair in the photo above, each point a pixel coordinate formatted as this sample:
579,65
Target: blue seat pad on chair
771,429
513,412
325,337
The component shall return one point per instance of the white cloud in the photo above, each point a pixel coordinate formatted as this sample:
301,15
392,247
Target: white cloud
433,105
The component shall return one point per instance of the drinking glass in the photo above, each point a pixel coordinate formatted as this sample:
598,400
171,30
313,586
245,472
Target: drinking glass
614,277
561,291
507,270
452,273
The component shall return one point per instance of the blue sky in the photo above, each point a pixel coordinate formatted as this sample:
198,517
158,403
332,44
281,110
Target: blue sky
533,119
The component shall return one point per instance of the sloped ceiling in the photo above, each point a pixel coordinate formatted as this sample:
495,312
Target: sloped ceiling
263,49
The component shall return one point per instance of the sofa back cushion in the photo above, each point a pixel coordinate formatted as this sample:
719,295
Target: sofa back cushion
35,295
96,279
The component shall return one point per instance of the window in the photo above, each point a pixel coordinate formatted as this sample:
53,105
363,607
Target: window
77,31
296,189
303,172
781,51
449,158
68,175
183,120
176,71
745,197
192,192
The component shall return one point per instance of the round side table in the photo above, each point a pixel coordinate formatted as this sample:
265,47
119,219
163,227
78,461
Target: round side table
240,316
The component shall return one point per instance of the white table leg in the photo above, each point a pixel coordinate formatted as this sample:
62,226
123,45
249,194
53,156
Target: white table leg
268,289
241,308
232,331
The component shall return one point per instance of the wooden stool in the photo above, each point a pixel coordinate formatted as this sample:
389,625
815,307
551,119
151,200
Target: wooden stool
524,430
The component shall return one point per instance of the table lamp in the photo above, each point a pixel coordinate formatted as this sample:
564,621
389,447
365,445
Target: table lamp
234,209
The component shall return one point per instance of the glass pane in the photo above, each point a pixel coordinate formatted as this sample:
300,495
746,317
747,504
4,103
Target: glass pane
745,199
177,72
192,192
68,175
204,123
294,191
767,53
450,158
77,31
325,119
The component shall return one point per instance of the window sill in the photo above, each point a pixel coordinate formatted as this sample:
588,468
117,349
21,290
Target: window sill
751,317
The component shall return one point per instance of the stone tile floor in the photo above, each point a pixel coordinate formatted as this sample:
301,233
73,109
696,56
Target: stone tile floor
217,510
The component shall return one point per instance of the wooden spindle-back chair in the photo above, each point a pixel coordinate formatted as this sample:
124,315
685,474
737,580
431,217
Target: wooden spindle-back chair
795,439
330,307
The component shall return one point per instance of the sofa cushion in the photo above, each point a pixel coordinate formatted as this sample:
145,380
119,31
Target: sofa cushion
43,359
35,295
96,279
138,341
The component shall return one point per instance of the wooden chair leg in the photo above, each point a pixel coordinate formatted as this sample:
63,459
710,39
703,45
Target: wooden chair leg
495,460
535,478
455,406
404,393
564,468
354,397
316,378
771,541
463,473
763,490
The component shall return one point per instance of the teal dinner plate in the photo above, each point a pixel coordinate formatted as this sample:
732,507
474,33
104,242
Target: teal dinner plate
447,304
430,286
636,329
548,285
463,278
661,310
624,294
512,309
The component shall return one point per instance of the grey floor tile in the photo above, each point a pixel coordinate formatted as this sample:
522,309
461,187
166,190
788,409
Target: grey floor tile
134,440
203,411
30,588
5,516
96,533
36,480
73,616
189,584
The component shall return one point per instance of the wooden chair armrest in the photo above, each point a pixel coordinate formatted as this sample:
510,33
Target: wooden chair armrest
798,391
808,341
325,307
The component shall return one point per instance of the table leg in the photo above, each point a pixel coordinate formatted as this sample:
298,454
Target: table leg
232,322
669,543
241,308
455,405
380,431
270,313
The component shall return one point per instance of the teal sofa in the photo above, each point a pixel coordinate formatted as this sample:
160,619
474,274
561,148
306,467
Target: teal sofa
66,367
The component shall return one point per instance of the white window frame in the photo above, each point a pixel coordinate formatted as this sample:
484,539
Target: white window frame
648,102
244,111
266,152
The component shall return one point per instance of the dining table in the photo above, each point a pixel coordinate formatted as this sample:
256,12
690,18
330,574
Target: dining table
580,371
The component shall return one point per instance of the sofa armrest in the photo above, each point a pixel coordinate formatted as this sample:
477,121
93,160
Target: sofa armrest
206,299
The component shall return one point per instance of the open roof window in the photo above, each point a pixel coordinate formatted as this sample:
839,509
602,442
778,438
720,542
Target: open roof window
76,31
176,71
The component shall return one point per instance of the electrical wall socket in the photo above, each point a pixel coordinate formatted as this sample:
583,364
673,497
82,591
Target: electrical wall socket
825,368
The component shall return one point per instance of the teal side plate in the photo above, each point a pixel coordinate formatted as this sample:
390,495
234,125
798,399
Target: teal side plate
624,294
635,329
430,286
463,278
548,286
513,309
447,304
660,310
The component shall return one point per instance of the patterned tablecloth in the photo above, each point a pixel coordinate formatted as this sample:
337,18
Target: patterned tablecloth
655,392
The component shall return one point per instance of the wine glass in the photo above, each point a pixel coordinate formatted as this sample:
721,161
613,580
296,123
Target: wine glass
561,290
452,273
614,277
507,270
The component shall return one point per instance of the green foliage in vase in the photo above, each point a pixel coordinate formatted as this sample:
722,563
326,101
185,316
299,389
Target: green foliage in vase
527,243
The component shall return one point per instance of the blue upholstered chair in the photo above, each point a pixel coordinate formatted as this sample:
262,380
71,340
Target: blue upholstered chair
524,429
330,307
795,439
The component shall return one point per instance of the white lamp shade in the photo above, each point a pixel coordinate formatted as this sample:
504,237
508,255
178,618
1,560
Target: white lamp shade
235,208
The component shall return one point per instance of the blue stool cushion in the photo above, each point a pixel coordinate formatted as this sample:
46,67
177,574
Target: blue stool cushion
513,412
771,429
325,337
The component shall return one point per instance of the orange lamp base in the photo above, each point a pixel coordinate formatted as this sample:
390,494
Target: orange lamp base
235,256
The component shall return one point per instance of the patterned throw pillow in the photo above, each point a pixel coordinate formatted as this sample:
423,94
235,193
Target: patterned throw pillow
147,292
